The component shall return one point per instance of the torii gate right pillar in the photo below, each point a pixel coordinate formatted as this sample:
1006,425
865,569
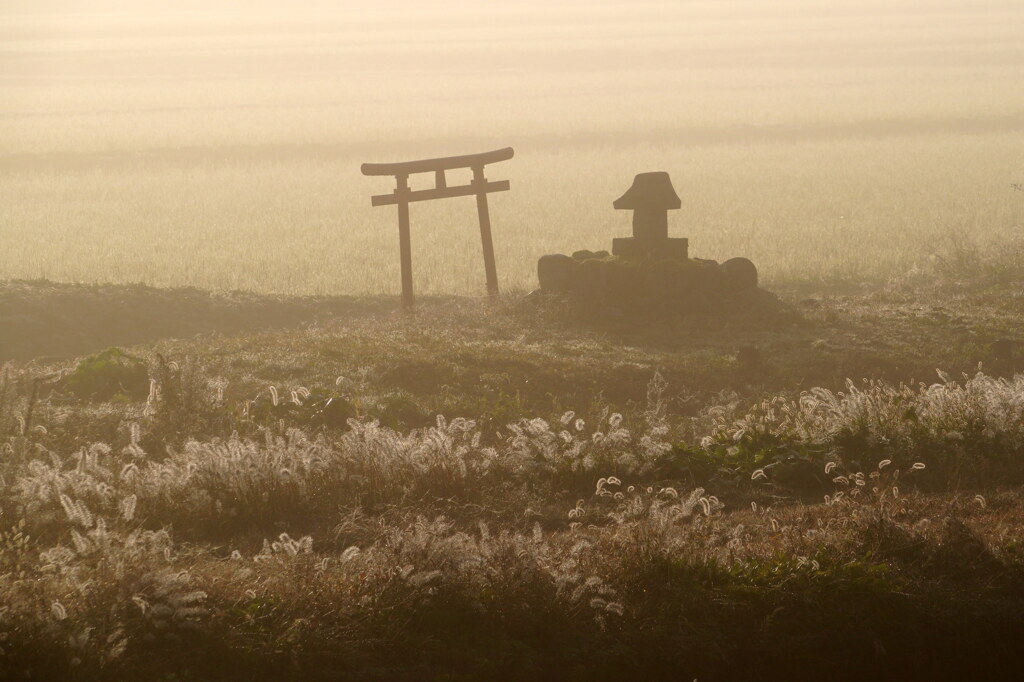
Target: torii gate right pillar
480,184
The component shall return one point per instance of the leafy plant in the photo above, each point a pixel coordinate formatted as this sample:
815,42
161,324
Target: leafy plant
107,375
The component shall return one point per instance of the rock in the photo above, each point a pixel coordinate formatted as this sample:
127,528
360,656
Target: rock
585,254
556,273
706,277
664,278
652,286
739,274
592,277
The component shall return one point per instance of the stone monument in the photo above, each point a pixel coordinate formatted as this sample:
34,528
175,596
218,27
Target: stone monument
650,198
650,272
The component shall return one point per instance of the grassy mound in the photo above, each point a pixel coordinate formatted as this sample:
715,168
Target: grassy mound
286,505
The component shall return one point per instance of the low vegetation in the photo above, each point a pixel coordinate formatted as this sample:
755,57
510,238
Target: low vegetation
226,454
221,528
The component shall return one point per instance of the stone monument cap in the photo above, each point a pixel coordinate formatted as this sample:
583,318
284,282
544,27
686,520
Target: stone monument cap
650,191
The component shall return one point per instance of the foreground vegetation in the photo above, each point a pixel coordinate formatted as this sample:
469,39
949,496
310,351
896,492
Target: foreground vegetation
190,509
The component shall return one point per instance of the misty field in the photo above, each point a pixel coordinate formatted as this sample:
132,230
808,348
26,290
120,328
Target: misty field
228,452
221,149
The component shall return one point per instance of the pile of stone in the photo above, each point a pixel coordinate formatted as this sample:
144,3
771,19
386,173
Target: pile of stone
649,269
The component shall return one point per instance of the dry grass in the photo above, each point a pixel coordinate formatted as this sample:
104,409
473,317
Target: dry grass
722,527
386,555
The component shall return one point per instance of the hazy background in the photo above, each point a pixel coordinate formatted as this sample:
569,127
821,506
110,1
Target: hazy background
219,144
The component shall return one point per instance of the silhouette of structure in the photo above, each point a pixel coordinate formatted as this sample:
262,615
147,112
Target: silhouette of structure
650,198
649,273
403,196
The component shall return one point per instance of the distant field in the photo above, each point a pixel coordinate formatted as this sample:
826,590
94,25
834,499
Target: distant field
222,149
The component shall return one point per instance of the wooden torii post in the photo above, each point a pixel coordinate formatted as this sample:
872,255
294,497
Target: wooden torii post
403,196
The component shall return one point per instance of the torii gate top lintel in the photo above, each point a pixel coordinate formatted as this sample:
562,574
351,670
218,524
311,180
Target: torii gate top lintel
443,163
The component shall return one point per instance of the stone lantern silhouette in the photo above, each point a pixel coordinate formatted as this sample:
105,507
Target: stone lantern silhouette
650,198
650,270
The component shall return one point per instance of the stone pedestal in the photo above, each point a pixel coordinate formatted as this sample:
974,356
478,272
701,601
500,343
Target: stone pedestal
674,248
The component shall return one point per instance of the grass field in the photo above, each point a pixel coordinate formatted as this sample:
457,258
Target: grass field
227,453
222,149
599,502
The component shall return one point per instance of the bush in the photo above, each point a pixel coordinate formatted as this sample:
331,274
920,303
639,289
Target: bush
968,432
108,375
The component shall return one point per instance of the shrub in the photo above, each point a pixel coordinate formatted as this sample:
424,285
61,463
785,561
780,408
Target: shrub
967,431
107,375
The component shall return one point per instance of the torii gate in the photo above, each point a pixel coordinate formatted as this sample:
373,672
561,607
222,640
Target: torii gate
403,196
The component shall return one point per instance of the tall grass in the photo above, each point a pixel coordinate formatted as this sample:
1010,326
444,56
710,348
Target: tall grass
969,431
291,548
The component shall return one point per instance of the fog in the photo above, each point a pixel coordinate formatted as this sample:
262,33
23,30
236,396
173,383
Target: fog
546,340
858,135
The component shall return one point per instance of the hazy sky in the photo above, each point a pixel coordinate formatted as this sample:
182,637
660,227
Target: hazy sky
28,7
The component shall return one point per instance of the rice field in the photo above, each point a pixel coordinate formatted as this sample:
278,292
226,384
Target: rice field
220,148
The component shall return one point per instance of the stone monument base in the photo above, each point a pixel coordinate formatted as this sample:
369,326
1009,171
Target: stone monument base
651,284
674,248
